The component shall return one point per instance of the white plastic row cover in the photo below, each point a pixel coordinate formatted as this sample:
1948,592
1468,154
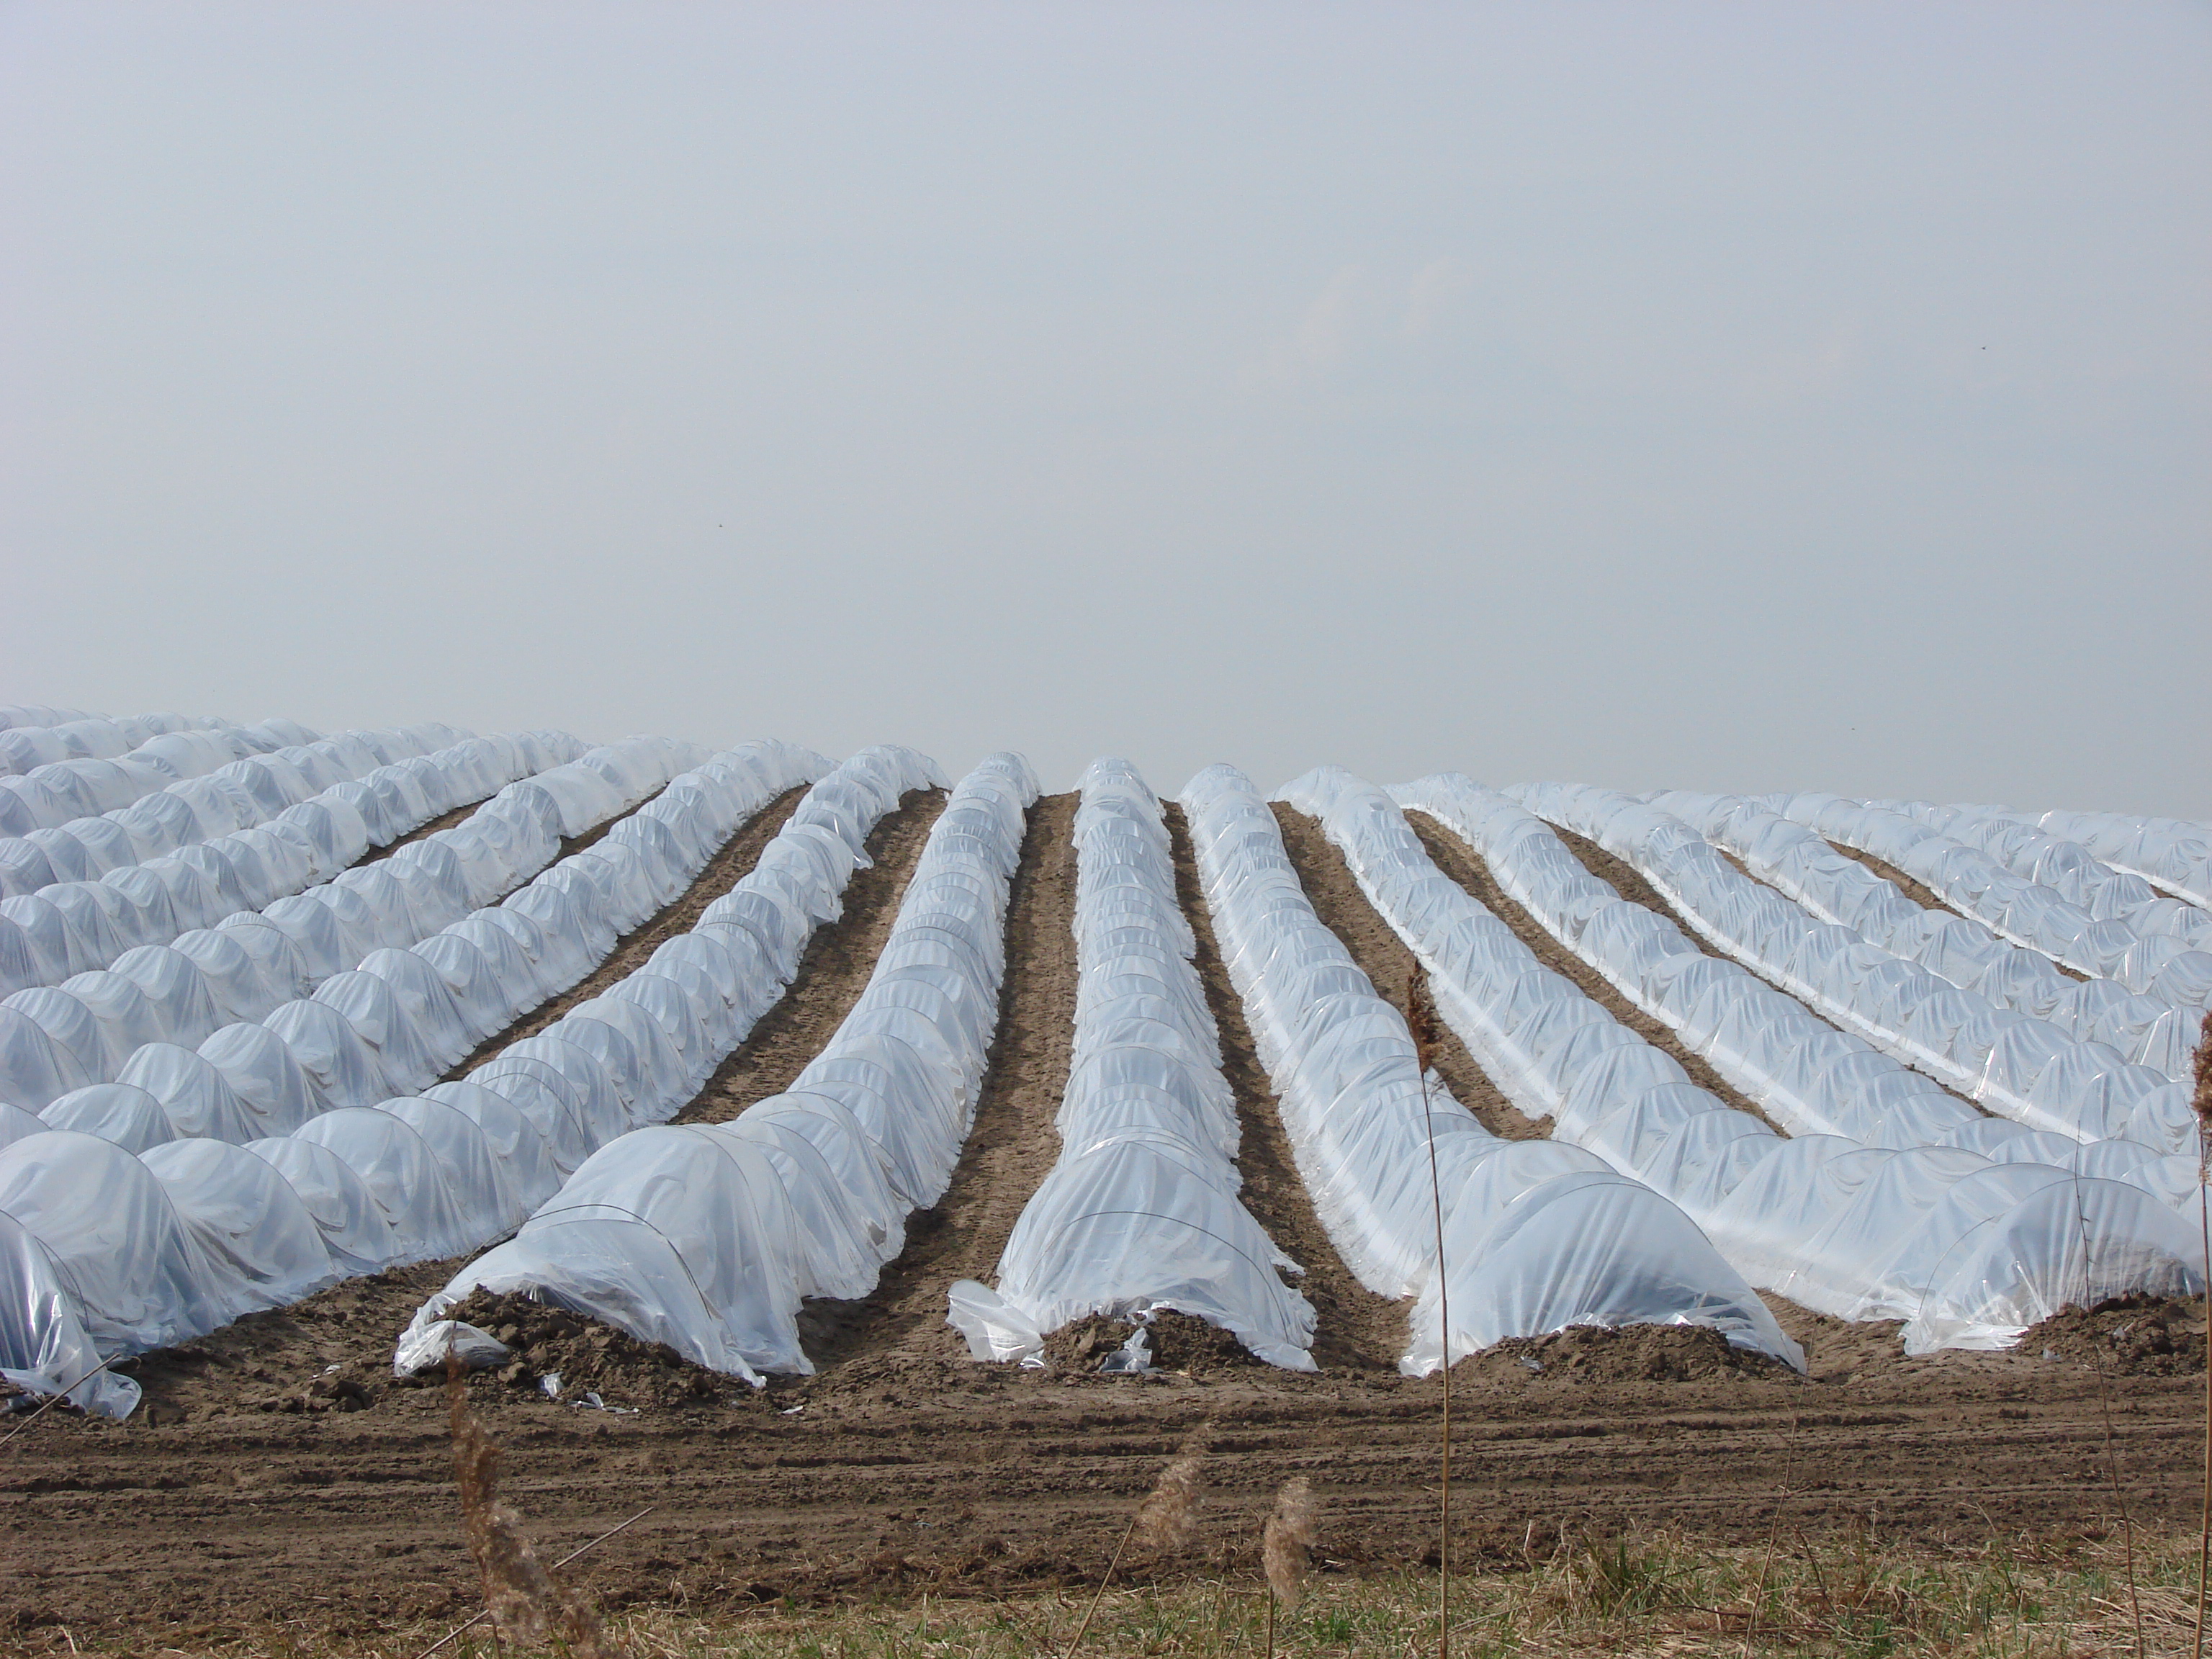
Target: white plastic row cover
2172,854
27,744
1536,1237
15,716
202,1230
2167,958
2068,869
57,792
1965,1240
1140,1213
2145,1031
354,944
108,904
1912,1006
385,778
1802,1072
707,1236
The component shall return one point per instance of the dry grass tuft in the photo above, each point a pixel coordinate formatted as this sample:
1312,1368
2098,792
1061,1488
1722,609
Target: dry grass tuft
1169,1514
1421,1018
525,1603
2200,1103
1287,1550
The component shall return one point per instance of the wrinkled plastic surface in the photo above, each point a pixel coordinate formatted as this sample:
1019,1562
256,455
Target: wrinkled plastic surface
201,1228
1860,1229
1361,1122
800,1195
1140,1213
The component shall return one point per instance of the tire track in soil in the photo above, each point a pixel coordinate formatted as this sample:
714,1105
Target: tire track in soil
965,1479
1382,956
1356,1329
1460,861
1013,1145
722,872
1624,880
833,970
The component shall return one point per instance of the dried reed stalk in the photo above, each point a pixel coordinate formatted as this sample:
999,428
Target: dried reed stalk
1286,1551
2105,1402
1162,1522
2201,1103
1421,1024
1168,1515
525,1603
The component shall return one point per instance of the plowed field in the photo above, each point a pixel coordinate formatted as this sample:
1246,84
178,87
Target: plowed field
278,1474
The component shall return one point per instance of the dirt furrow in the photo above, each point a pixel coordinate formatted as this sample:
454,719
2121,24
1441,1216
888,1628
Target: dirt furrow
1356,1330
1013,1145
833,970
678,916
443,821
1472,870
1382,956
1927,897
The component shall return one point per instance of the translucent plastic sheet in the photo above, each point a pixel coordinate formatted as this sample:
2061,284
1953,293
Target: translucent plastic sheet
355,1177
408,1024
46,1348
2068,869
1140,1213
1847,1228
151,882
1831,948
1361,1124
2148,946
709,1236
92,774
2173,853
1800,1070
245,835
2121,1053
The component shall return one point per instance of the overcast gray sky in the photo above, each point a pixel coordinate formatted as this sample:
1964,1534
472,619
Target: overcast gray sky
1734,397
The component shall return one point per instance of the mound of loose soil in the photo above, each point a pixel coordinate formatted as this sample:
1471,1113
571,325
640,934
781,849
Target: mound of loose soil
589,1357
2127,1336
1178,1342
1634,1353
330,1353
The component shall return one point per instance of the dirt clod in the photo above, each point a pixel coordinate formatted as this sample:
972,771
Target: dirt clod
2126,1336
1176,1342
586,1356
1634,1353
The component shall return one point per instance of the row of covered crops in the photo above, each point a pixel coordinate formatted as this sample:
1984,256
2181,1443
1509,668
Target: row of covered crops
347,1130
1968,1170
1936,1115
